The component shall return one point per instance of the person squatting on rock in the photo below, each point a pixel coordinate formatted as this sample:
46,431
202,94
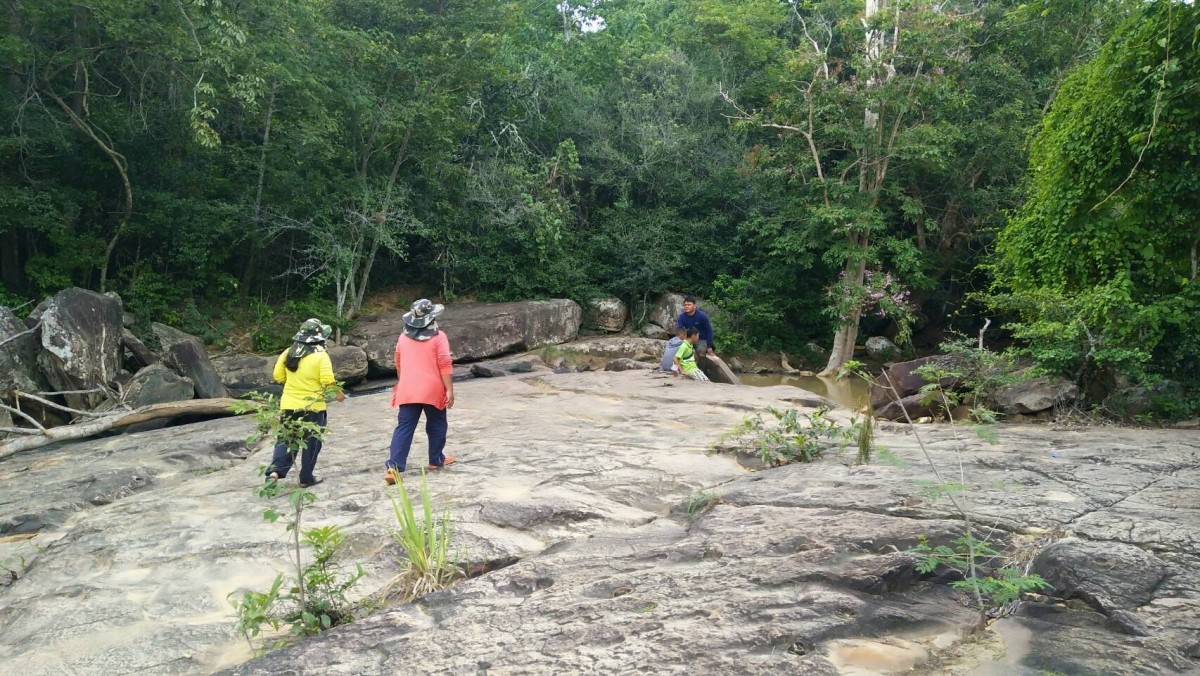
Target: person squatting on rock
693,318
685,357
305,370
423,385
667,363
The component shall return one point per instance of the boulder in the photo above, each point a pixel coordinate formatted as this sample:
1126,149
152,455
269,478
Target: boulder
476,330
717,370
487,371
666,310
186,354
349,364
613,347
495,369
81,343
654,331
1138,400
1112,577
18,356
907,381
190,360
879,347
817,351
140,356
157,384
242,373
606,314
627,364
915,404
166,336
1034,395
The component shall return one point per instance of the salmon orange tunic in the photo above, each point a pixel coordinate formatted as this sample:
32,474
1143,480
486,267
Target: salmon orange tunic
420,365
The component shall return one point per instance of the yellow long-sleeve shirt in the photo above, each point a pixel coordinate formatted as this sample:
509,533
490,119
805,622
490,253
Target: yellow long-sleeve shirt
303,389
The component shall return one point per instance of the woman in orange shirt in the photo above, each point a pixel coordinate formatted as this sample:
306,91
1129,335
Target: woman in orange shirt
423,385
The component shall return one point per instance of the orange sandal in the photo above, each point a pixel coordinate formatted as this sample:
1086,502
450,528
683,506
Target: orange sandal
449,460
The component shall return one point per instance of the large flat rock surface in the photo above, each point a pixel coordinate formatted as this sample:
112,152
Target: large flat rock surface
126,549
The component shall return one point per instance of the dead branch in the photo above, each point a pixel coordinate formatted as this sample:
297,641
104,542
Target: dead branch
26,332
18,430
94,390
174,409
24,415
66,409
118,160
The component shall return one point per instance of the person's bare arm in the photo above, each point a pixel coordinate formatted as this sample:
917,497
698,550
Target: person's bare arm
448,381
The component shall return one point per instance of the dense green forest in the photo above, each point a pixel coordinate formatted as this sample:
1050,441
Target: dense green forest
814,168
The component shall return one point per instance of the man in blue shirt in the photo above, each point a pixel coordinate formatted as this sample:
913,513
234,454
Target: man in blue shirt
694,318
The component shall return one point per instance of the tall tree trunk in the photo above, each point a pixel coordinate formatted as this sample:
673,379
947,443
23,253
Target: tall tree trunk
847,332
118,161
379,221
258,193
873,168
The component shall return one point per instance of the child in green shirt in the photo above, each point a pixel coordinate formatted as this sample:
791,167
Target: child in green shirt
685,357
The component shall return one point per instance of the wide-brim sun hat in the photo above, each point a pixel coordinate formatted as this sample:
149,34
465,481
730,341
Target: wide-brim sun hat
313,331
423,313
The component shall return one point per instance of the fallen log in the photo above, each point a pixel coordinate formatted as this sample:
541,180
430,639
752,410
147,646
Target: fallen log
174,409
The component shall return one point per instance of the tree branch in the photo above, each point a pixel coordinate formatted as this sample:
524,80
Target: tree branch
26,416
51,404
29,331
118,160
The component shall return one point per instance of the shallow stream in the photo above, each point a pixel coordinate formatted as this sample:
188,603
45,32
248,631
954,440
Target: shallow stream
849,392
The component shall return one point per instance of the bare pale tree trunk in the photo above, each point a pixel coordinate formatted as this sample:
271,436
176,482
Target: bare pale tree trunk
847,334
258,193
381,222
118,161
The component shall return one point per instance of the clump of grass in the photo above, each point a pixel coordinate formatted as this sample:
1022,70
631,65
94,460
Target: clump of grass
699,502
429,563
866,438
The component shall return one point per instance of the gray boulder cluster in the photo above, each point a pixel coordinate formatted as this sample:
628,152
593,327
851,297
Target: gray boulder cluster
1023,396
78,345
241,373
610,314
476,331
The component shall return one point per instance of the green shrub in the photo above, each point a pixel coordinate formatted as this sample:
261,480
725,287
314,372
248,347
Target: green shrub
972,558
795,436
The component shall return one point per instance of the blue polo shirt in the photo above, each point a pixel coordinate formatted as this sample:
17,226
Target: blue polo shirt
698,321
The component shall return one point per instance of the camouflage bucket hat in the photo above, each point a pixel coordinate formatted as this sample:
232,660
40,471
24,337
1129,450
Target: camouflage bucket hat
423,313
313,331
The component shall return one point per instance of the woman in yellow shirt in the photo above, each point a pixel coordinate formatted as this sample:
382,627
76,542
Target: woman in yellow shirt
305,371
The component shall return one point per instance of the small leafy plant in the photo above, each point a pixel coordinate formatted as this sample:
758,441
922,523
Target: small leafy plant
974,374
970,557
271,421
316,598
795,436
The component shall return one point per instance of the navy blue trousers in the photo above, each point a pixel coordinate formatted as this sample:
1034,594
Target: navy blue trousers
406,426
281,463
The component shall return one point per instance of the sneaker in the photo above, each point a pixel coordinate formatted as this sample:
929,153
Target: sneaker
448,460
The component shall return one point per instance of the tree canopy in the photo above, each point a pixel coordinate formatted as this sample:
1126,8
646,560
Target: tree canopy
813,167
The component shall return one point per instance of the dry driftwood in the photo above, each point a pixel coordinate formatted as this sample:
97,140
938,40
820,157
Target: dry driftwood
118,420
